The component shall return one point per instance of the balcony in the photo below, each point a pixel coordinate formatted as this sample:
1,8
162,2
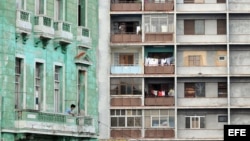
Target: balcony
151,6
159,101
23,23
201,7
125,133
63,32
126,102
47,123
126,38
166,69
158,37
83,37
126,6
125,69
159,133
43,27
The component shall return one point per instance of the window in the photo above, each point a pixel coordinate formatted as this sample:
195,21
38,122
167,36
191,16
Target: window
126,59
40,6
59,10
196,89
19,83
125,86
21,4
194,27
221,1
159,118
81,90
221,26
195,122
82,13
38,86
126,118
222,118
58,89
159,23
222,89
222,58
193,1
194,60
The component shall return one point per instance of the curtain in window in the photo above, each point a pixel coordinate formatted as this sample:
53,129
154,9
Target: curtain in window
199,27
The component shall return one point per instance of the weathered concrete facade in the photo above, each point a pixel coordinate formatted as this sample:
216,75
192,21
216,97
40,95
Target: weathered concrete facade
206,44
48,52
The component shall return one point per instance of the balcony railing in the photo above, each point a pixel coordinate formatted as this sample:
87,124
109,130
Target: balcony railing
151,6
126,38
159,37
159,133
166,69
51,122
159,101
44,26
126,69
125,6
23,23
63,31
126,102
83,37
125,133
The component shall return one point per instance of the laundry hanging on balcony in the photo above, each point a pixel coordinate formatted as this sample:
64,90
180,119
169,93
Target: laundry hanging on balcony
155,61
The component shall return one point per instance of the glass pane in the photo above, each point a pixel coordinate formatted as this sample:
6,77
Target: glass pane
155,121
202,122
122,112
164,121
112,112
113,121
121,121
199,27
130,121
137,121
187,122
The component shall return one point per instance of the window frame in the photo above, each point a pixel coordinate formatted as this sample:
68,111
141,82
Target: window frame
59,10
134,84
81,83
40,10
191,124
222,118
153,23
222,91
194,60
117,58
21,4
39,96
125,114
192,87
82,14
19,86
58,88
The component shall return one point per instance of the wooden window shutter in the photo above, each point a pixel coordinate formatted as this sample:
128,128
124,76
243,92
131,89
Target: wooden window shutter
221,26
188,27
221,1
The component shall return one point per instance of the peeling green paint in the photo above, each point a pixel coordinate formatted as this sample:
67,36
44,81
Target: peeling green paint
13,44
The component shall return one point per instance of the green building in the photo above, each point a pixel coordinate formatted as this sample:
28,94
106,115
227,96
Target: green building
48,62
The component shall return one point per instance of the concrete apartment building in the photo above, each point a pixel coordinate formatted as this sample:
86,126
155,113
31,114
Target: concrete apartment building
48,62
173,69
